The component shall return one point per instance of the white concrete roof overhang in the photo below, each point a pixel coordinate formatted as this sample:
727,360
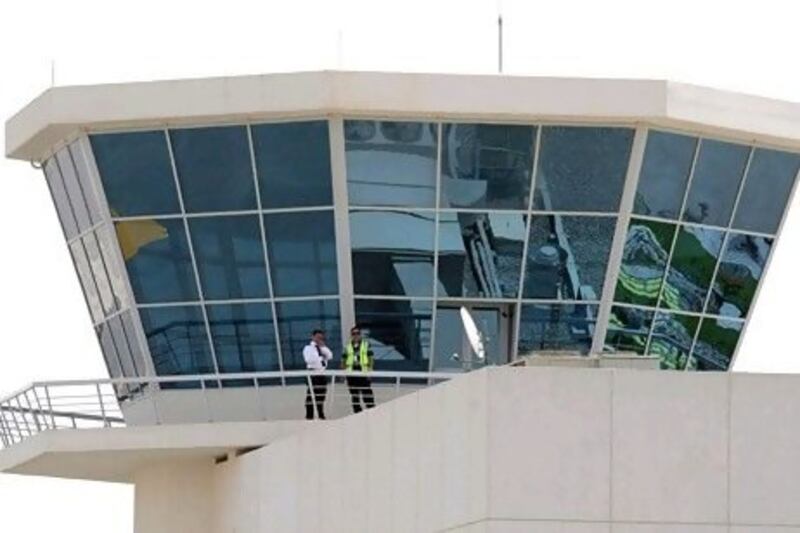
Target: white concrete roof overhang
61,112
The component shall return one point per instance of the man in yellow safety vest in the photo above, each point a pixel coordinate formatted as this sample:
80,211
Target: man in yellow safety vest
358,357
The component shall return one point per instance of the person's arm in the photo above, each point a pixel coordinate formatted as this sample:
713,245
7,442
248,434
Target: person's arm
371,359
309,355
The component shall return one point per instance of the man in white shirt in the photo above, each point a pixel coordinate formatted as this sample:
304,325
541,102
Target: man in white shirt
316,356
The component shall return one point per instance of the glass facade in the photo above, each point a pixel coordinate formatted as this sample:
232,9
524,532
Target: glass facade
219,248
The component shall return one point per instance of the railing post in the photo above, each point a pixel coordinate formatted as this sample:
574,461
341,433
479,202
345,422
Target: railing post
102,405
24,418
311,393
50,406
5,433
205,400
39,407
33,413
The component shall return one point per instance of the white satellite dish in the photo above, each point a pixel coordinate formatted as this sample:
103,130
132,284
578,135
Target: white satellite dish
473,334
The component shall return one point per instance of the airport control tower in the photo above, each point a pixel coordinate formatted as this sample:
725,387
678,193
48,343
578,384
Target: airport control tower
472,227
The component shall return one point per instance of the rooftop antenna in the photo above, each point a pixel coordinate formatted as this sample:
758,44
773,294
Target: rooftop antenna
500,36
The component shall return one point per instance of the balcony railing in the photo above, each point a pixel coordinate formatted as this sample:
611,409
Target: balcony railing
100,403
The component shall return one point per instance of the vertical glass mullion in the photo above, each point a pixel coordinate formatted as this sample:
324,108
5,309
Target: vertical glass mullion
437,193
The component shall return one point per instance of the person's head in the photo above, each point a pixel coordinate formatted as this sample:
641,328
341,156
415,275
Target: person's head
355,333
318,336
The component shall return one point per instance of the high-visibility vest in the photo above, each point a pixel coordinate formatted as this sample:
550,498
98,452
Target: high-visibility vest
363,356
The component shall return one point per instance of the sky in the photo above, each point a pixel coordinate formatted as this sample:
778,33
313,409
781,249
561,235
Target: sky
45,326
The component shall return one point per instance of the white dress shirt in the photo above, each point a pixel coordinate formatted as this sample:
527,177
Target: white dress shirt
316,357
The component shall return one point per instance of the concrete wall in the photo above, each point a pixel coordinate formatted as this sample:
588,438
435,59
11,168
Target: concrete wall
535,449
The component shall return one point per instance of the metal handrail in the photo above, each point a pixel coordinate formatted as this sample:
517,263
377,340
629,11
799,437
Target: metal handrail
78,403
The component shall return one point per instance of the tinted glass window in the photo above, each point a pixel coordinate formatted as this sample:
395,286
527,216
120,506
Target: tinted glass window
244,337
693,261
59,194
214,168
567,257
157,258
294,164
487,165
123,348
73,188
137,351
302,253
136,172
644,260
582,169
716,344
628,329
480,254
109,350
392,252
738,275
766,190
98,266
296,321
665,172
398,331
454,351
715,184
672,339
391,163
177,339
556,327
230,257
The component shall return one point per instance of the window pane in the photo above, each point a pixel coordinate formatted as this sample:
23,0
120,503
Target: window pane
715,184
109,350
693,261
392,252
244,337
137,350
672,339
486,165
644,259
157,259
136,172
480,254
177,339
302,253
59,194
665,171
230,257
716,344
294,164
454,352
582,169
391,163
86,279
628,329
123,350
214,168
296,321
108,247
399,332
739,273
85,180
96,262
567,257
73,188
766,190
556,328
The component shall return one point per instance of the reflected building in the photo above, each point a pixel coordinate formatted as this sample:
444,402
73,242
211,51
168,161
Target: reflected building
214,245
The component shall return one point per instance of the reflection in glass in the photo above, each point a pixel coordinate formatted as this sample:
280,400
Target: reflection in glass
738,275
665,171
716,343
715,183
480,254
391,163
628,329
399,332
567,257
296,321
581,168
97,263
454,351
214,168
157,258
302,253
136,172
766,190
392,252
123,348
131,338
693,261
59,194
230,257
672,339
556,327
86,279
486,165
243,337
644,259
177,339
294,163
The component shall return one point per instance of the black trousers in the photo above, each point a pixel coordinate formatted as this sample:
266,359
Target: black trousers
319,384
360,389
